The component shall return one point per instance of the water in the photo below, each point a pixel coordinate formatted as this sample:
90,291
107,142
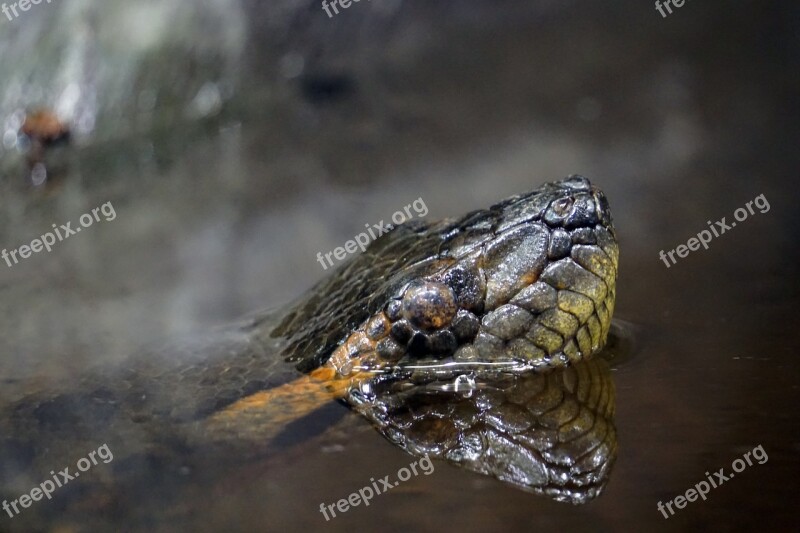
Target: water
238,141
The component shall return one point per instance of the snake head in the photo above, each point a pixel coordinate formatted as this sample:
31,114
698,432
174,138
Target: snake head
531,285
525,285
470,340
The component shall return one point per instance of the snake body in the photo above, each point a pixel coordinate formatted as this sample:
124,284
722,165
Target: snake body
470,340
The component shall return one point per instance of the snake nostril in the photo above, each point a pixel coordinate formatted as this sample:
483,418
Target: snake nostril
562,206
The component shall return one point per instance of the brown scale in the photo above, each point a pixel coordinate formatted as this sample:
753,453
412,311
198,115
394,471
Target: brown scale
356,359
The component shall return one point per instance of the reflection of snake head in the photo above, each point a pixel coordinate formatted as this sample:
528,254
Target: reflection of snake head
527,284
552,434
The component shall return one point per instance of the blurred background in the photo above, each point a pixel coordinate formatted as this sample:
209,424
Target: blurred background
237,139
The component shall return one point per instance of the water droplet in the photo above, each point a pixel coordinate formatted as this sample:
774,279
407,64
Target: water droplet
464,383
38,175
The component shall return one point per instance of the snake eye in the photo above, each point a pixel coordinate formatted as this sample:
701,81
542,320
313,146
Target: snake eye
429,306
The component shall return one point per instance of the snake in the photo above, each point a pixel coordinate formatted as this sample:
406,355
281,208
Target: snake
472,340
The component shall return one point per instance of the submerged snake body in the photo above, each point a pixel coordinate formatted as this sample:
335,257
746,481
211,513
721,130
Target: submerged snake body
464,339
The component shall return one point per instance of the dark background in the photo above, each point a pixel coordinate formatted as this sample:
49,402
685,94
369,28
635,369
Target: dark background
238,139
